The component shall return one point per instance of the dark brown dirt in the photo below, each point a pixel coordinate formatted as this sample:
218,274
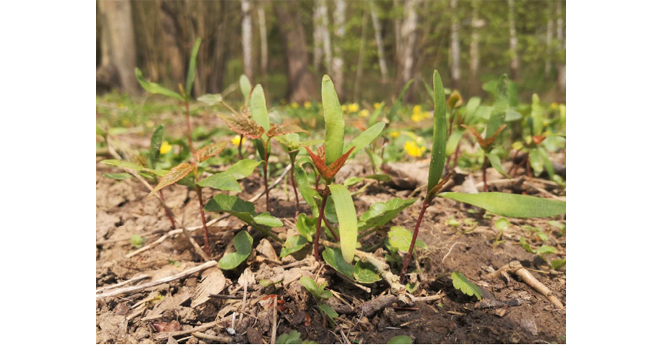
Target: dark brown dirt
509,312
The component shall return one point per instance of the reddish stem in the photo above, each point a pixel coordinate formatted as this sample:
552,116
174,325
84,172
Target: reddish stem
332,230
412,243
206,230
167,212
266,179
483,173
295,190
326,192
456,153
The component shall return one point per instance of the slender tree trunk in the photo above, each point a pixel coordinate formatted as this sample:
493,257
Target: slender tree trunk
408,37
263,40
379,41
513,41
363,41
121,42
338,57
172,44
322,41
561,68
398,42
220,51
301,83
246,39
455,47
318,35
476,24
548,43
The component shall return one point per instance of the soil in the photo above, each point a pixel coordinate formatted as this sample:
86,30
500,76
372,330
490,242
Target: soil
510,311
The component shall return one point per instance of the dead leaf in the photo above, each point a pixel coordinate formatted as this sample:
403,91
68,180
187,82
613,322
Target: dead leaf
213,282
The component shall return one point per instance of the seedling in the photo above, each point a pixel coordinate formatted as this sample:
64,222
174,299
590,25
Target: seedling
495,126
317,291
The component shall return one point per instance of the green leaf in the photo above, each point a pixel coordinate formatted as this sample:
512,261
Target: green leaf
329,312
306,226
258,108
118,176
365,273
546,250
210,99
246,87
557,225
536,161
439,133
496,163
311,286
243,245
454,139
293,244
347,220
471,109
400,238
400,339
221,181
536,115
237,207
502,224
412,287
243,168
399,101
557,264
379,177
511,205
365,138
122,164
353,180
154,148
155,88
100,131
305,189
175,174
290,141
268,220
192,67
500,108
526,246
289,338
137,241
464,285
333,257
334,121
380,213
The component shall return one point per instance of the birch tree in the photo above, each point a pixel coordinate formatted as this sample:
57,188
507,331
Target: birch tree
455,67
382,63
561,67
408,37
120,42
339,17
548,42
513,41
246,39
263,39
476,24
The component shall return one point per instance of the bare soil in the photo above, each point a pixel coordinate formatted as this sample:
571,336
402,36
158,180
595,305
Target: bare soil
510,312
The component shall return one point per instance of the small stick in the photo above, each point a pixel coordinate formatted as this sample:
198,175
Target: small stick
114,286
452,247
273,334
517,268
156,282
216,339
165,335
272,185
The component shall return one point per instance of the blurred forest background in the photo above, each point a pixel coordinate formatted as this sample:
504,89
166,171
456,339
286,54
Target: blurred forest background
370,48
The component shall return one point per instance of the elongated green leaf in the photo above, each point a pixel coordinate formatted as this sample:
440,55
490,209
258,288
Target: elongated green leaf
496,163
500,108
293,244
175,174
465,285
365,273
333,257
536,161
289,141
192,67
375,115
155,88
511,205
380,213
306,226
400,339
243,245
334,121
471,109
347,220
221,181
122,164
310,285
400,238
292,337
537,115
237,207
118,176
365,138
452,142
243,168
154,148
305,190
268,220
258,108
210,99
557,264
246,87
209,151
394,111
329,312
439,133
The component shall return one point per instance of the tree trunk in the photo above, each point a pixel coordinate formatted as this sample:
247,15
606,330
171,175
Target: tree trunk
379,41
476,23
398,44
513,41
301,83
121,42
171,47
318,35
561,68
363,41
455,47
338,59
263,40
408,37
548,43
246,39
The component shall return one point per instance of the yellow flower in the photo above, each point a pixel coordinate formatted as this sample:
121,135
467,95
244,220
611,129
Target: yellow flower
364,113
307,105
165,147
554,105
377,105
294,105
413,149
344,108
236,140
353,108
395,134
417,109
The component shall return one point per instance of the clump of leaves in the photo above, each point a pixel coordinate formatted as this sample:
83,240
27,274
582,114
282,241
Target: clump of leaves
137,241
464,285
400,339
317,291
292,337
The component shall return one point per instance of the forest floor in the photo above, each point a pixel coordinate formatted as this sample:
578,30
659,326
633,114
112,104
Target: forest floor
510,312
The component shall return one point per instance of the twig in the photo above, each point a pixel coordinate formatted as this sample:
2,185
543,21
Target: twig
201,328
273,334
452,247
516,268
156,282
216,339
542,191
114,286
272,185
